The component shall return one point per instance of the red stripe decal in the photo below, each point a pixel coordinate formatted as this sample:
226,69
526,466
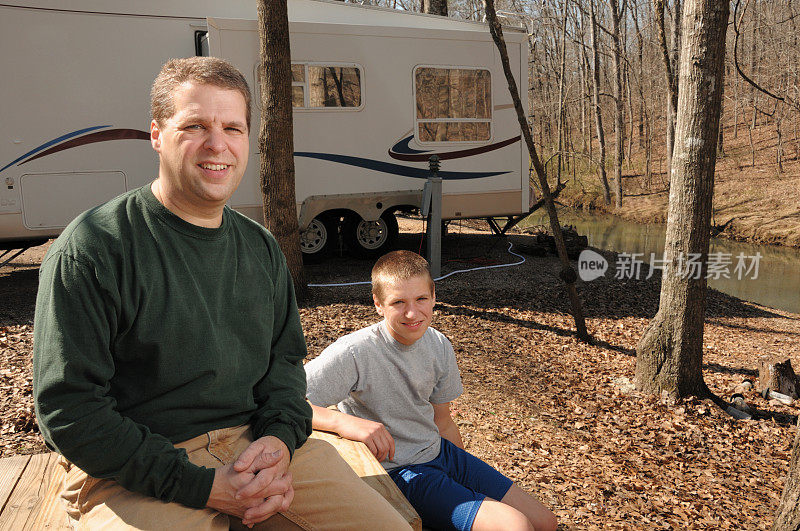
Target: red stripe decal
100,136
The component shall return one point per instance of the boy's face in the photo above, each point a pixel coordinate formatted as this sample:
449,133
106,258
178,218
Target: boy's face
407,306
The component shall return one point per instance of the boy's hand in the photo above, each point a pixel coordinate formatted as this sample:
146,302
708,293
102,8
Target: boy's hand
373,434
447,428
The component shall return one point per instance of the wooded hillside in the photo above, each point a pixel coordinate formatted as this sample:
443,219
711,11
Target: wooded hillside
594,128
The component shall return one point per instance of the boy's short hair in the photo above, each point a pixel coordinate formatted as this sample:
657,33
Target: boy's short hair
398,266
201,70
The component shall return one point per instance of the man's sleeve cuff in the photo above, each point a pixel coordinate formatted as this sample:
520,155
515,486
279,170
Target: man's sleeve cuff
195,486
283,432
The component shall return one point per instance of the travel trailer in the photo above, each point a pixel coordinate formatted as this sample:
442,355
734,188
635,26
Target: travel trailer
375,92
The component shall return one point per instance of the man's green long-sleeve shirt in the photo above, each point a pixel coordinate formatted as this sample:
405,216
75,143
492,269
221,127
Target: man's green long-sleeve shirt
150,331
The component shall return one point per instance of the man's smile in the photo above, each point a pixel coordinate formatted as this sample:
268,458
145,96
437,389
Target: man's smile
213,167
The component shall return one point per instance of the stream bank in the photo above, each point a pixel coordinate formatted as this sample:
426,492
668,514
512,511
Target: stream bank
766,274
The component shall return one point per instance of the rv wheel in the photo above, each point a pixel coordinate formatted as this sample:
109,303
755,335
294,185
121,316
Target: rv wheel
371,238
318,237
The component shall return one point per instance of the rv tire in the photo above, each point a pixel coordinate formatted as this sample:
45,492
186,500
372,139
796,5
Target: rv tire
370,239
317,240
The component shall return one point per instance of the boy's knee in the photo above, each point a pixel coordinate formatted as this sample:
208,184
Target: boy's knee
516,521
497,515
541,518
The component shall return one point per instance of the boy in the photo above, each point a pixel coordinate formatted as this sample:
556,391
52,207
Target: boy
393,383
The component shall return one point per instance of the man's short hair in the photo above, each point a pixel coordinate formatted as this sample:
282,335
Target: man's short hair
398,266
202,70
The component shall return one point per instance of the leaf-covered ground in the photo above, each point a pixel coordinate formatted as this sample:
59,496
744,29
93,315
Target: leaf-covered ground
559,417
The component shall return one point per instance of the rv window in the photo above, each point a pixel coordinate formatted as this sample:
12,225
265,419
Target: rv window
298,100
298,85
453,104
298,74
331,86
453,131
334,86
201,43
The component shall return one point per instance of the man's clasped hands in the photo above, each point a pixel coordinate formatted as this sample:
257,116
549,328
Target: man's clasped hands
257,485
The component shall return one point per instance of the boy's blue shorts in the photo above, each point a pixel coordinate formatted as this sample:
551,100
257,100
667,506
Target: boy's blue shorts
447,492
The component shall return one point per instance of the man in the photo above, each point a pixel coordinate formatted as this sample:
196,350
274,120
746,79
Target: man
168,349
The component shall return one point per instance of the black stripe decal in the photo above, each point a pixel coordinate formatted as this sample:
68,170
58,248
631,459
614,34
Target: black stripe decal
396,169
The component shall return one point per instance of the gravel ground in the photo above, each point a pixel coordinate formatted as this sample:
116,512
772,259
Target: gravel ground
558,416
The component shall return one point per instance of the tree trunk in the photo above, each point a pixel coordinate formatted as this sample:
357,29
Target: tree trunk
640,48
670,70
275,140
669,356
561,85
629,97
671,112
675,50
598,115
721,137
787,517
435,7
753,63
619,104
779,147
735,106
567,274
778,375
586,84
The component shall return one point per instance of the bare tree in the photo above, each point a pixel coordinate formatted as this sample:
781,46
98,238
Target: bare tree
568,274
670,55
669,355
275,140
617,13
774,69
435,7
561,88
582,59
639,70
598,114
645,136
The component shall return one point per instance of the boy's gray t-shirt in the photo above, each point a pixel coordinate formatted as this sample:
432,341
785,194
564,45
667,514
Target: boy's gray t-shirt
371,375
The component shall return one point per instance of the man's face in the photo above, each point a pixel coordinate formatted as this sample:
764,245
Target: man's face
203,147
407,306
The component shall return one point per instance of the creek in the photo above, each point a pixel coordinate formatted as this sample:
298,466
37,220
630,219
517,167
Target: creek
766,274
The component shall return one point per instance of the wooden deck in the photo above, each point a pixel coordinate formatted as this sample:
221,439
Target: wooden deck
29,487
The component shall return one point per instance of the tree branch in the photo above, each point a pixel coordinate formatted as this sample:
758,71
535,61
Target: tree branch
736,26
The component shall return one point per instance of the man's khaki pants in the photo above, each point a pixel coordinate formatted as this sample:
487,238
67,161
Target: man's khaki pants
327,494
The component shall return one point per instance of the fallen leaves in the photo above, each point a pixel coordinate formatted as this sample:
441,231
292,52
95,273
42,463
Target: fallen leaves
561,418
597,451
18,431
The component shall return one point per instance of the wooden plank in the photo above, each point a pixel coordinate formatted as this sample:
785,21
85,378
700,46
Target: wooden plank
30,487
27,500
370,470
52,513
10,470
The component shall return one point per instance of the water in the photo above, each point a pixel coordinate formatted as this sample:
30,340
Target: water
777,284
